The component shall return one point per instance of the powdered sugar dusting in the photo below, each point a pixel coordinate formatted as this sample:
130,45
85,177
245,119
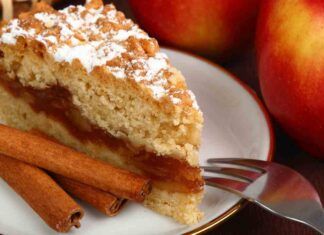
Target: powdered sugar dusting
12,32
122,35
193,98
156,64
49,20
99,37
175,100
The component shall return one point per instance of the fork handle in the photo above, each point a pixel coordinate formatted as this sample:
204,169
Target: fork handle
316,221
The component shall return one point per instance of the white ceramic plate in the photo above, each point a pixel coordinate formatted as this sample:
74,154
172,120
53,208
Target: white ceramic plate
236,125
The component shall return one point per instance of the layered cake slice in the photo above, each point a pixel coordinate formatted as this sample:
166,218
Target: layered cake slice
94,81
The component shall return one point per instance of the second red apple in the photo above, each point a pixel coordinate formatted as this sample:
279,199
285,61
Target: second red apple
216,28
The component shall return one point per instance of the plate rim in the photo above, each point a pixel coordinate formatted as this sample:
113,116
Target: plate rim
243,202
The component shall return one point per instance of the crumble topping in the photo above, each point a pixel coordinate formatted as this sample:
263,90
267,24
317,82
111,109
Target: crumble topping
100,36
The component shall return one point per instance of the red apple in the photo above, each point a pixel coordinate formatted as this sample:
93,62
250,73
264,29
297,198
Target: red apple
215,28
290,45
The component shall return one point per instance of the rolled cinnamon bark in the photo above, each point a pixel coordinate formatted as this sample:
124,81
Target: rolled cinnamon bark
67,162
42,193
105,202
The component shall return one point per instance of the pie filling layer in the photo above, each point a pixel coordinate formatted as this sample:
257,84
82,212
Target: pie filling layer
167,173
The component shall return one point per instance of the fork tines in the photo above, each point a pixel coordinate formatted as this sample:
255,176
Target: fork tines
241,177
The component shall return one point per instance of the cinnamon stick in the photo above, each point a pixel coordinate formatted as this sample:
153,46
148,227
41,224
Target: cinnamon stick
105,202
42,193
67,162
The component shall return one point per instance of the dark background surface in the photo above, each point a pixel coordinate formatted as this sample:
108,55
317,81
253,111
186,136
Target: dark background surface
252,219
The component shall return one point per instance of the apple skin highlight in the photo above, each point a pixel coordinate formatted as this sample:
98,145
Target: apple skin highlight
214,28
290,51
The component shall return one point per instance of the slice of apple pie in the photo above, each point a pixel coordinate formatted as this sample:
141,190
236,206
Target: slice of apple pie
93,80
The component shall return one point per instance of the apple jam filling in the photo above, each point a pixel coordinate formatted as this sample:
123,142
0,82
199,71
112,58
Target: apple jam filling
56,102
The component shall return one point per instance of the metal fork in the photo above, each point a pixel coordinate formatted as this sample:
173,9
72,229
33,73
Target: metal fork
272,186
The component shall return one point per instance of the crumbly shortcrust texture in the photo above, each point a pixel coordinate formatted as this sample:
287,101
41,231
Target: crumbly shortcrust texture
131,92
